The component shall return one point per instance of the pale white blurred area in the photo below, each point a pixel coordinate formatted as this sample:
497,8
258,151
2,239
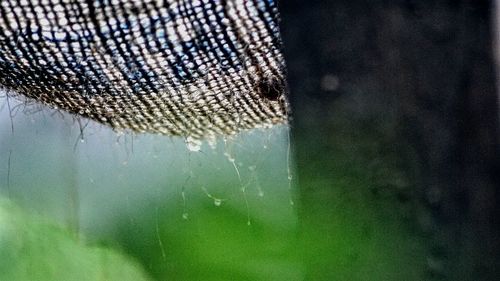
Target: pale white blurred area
93,179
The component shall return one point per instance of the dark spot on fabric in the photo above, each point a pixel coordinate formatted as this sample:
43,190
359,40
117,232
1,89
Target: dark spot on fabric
271,89
135,11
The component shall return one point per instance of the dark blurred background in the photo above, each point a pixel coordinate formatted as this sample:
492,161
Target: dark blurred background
403,93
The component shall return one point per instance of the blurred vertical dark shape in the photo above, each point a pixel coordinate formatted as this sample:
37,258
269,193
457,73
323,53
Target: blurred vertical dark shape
418,78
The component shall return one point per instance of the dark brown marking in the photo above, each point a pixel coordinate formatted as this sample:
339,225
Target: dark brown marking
271,89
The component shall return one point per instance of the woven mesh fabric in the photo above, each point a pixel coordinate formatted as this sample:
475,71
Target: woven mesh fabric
176,67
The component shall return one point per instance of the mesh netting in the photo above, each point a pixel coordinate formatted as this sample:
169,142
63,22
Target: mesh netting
177,67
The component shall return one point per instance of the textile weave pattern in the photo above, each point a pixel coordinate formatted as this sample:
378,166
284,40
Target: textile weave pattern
176,67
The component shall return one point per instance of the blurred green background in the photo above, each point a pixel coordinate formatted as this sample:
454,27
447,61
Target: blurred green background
104,204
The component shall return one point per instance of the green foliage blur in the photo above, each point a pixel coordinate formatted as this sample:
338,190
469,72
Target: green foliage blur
33,248
123,207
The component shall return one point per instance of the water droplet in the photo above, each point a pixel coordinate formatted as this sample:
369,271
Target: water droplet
185,216
217,202
212,141
193,144
119,132
229,157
